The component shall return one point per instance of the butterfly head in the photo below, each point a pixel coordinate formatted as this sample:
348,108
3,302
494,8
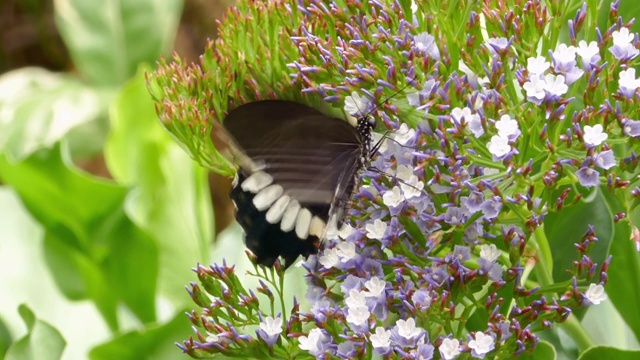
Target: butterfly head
366,124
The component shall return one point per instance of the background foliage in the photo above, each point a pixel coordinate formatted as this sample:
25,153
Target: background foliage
100,258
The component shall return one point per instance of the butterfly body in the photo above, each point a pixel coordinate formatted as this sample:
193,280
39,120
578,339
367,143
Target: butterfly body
298,169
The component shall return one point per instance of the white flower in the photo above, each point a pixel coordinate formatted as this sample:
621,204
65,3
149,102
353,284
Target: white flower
393,197
537,65
346,251
587,52
507,127
376,230
535,89
412,187
622,37
312,343
404,172
595,294
271,326
358,316
375,286
356,298
555,84
499,146
403,135
355,104
212,338
329,258
628,80
460,116
380,338
482,344
489,252
407,329
345,231
594,136
564,54
450,348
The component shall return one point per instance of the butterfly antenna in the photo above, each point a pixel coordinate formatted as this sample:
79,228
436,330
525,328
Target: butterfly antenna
392,96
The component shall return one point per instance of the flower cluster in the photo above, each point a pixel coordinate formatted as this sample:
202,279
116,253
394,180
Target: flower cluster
491,140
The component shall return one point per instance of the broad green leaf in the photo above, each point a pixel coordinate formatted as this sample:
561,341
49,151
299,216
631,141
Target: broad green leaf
42,342
604,352
153,342
566,227
108,39
93,249
5,338
171,197
38,108
623,287
543,351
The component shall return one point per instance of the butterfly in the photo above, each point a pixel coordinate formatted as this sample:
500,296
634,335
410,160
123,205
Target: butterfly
297,171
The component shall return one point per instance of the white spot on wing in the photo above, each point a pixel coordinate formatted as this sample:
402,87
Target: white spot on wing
235,181
302,223
256,182
317,226
277,209
290,215
267,196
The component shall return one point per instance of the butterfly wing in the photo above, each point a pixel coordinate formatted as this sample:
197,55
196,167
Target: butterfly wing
289,155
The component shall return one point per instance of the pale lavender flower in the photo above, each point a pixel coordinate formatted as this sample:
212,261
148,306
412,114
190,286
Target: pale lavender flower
623,48
605,160
594,135
595,294
425,43
588,177
474,201
270,330
454,216
628,83
461,253
491,207
481,345
631,127
421,299
416,99
449,349
346,350
424,352
497,45
316,343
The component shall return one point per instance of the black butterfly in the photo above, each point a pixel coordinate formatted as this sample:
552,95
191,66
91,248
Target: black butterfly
298,169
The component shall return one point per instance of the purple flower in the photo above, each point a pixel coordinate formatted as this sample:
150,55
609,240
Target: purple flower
631,127
588,177
425,43
491,207
416,99
605,160
454,216
421,299
424,352
497,46
346,350
461,253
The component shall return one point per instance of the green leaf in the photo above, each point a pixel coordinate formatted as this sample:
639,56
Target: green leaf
108,39
171,199
92,248
42,342
566,227
5,338
605,352
39,108
624,278
543,351
153,342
